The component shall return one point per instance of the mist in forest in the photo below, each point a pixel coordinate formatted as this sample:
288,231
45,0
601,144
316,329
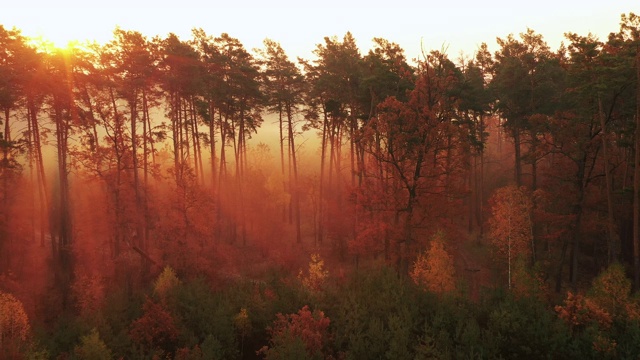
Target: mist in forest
192,199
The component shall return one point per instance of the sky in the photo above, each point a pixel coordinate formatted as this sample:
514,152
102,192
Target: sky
458,26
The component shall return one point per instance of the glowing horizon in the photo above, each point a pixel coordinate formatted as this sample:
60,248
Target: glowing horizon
459,28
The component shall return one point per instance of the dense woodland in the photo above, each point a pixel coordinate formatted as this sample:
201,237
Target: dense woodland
192,199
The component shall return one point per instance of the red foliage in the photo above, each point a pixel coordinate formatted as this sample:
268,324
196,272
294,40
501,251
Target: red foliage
156,328
311,328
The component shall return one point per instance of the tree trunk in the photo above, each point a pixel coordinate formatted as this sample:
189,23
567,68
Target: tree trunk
294,186
518,163
577,214
5,253
42,180
282,167
212,138
636,183
133,106
613,242
65,267
323,155
145,164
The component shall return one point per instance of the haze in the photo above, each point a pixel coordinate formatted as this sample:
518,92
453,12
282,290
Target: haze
339,182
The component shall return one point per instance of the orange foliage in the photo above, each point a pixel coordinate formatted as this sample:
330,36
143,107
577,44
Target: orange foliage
579,311
14,325
317,275
434,269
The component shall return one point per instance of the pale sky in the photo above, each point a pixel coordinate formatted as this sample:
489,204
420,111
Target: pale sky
459,26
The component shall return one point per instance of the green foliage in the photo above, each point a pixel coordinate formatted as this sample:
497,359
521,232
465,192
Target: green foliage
119,311
166,281
92,347
611,290
524,328
372,316
293,348
212,348
202,314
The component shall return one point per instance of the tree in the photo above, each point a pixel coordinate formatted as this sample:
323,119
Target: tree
475,106
284,87
242,324
611,290
12,49
166,282
593,101
522,82
60,87
630,30
311,328
14,326
241,116
92,347
433,270
155,330
419,146
181,70
133,68
334,109
511,228
317,275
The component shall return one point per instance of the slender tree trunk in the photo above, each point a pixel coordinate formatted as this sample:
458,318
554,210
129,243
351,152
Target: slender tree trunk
518,163
186,127
321,201
636,182
145,164
139,236
613,235
5,253
117,138
282,168
64,217
32,195
42,180
352,150
472,183
480,201
577,214
294,186
212,138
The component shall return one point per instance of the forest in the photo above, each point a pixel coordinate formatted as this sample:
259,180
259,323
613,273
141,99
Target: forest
168,198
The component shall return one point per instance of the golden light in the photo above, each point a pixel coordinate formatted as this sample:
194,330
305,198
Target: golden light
58,39
61,39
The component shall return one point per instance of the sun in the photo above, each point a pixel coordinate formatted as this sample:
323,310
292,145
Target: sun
51,38
63,38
